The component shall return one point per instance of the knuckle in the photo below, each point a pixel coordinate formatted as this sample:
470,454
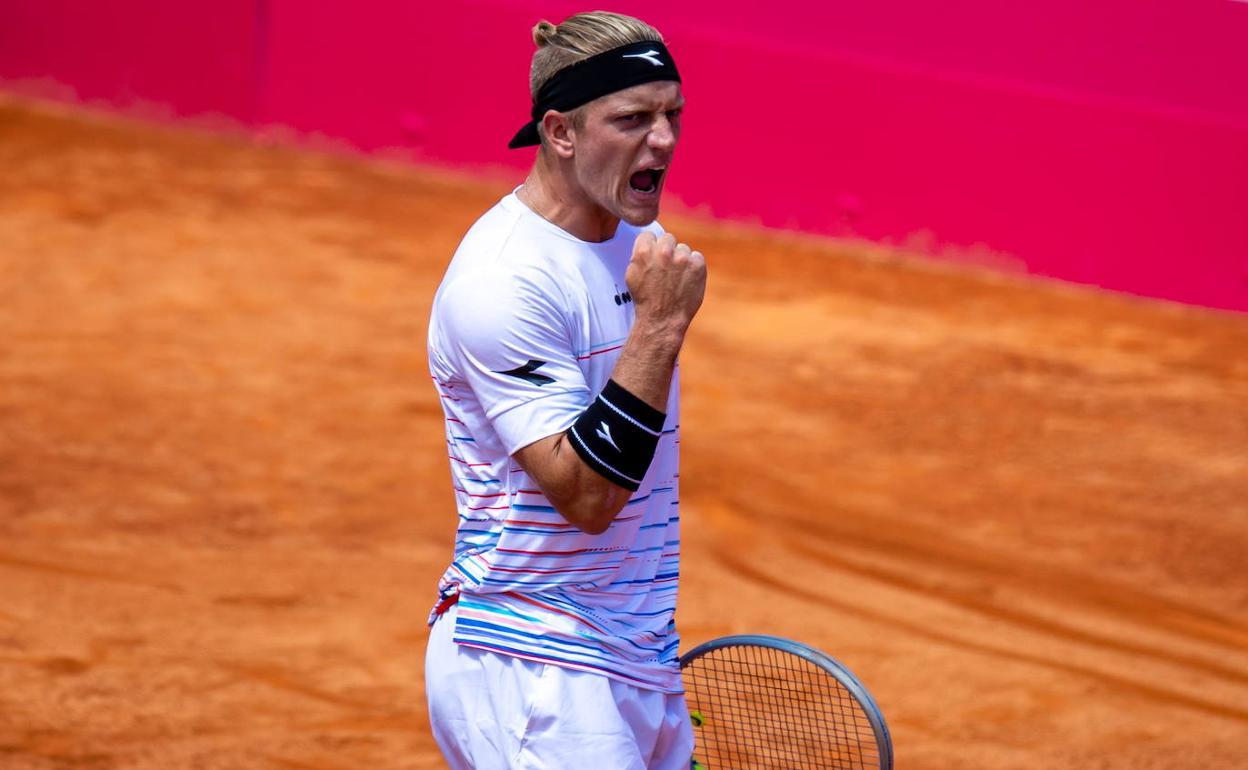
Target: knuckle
644,243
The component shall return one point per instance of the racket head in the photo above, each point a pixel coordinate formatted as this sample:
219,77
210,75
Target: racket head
768,703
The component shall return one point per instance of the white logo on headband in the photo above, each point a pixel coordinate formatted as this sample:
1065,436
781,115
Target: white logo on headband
651,56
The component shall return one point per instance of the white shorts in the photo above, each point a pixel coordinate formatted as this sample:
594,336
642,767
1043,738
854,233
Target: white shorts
498,712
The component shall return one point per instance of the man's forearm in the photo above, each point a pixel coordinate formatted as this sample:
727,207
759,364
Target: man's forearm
647,361
589,472
585,497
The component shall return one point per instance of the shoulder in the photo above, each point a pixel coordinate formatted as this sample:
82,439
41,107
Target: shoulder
510,238
501,290
514,296
503,258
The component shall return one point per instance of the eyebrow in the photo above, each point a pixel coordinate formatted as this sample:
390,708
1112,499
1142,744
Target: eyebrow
628,109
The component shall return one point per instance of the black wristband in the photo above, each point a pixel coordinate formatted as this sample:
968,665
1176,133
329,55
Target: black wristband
618,435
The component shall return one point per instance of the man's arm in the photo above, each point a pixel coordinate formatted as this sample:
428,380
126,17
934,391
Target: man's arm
667,282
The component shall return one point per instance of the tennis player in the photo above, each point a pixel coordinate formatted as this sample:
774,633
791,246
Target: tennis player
553,344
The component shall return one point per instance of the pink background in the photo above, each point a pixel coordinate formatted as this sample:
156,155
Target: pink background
1104,143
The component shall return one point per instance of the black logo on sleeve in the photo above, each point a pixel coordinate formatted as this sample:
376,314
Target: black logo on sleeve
528,373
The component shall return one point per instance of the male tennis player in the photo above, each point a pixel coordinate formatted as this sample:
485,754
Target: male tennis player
553,345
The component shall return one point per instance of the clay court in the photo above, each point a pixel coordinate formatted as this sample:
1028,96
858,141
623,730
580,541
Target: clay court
1018,509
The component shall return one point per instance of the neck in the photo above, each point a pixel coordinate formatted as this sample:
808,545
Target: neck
553,194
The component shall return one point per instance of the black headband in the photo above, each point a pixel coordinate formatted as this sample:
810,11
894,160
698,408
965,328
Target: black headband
599,75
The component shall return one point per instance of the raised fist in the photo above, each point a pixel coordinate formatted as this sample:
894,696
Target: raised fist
667,281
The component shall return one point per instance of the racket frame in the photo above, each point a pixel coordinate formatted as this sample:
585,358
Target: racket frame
838,671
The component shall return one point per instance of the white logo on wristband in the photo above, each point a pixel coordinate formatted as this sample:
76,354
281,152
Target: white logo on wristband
604,432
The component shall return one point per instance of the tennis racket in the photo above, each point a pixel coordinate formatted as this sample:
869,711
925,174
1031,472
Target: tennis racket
766,703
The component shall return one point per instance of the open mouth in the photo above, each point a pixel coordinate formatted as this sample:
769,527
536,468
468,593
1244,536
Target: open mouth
647,180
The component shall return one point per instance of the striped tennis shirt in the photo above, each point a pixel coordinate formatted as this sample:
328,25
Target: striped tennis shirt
525,331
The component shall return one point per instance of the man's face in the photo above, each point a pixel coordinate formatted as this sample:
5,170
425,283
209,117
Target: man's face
622,148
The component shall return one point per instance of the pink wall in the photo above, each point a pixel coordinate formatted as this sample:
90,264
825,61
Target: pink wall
196,57
1104,143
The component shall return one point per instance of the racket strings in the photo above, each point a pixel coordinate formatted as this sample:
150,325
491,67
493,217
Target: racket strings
765,709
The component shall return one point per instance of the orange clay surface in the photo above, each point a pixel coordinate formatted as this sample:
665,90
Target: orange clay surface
1018,510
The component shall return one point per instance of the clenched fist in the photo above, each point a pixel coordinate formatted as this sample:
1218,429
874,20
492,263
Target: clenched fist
667,281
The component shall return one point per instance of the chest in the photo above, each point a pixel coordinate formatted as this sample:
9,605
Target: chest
602,317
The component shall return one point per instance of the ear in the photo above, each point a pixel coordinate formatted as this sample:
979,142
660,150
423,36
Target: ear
557,127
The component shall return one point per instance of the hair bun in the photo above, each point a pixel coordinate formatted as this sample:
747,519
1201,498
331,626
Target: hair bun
543,33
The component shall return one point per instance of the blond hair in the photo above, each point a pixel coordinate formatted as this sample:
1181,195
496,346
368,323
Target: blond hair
577,38
580,37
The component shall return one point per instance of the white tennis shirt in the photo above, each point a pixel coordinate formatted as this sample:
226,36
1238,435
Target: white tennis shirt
525,331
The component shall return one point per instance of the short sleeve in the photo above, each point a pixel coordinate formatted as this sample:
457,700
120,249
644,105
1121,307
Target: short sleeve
509,338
